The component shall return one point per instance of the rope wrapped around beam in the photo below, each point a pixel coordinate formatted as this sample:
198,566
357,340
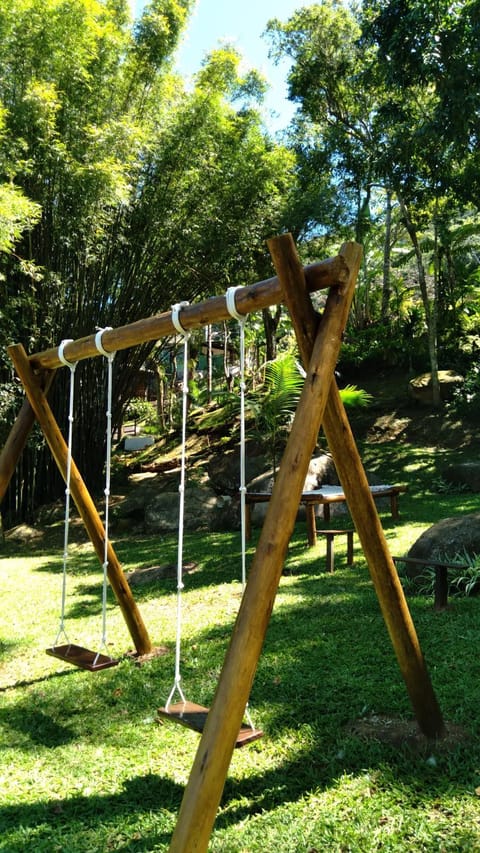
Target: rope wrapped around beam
331,272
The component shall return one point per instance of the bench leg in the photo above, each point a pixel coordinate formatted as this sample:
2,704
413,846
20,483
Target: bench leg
248,521
441,588
311,524
330,551
394,506
349,547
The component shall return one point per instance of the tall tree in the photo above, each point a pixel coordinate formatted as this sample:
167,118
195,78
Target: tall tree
147,193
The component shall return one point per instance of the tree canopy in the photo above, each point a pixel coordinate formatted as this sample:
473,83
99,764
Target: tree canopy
122,190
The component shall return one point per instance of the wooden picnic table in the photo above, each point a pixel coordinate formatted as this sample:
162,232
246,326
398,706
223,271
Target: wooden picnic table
324,497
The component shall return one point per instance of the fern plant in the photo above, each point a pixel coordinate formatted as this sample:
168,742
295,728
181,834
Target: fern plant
273,405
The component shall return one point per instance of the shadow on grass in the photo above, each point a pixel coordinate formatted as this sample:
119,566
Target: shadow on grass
153,800
139,796
39,727
327,661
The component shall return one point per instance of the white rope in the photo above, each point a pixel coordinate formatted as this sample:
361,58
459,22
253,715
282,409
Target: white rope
181,510
68,476
108,464
241,318
99,344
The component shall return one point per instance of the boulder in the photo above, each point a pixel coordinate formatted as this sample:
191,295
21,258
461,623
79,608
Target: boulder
204,510
321,472
446,540
224,469
420,388
466,474
24,534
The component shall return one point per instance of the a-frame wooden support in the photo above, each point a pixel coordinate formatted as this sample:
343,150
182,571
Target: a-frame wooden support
319,342
41,410
37,372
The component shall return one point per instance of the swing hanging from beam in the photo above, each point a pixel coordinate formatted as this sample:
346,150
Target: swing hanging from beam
319,340
189,714
72,653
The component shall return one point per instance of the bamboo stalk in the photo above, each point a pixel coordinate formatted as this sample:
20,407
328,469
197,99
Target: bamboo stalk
82,498
247,299
207,778
365,516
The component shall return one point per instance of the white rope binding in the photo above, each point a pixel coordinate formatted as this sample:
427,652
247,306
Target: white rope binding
181,509
108,461
176,318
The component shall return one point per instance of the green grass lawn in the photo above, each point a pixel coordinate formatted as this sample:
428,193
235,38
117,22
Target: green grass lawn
86,766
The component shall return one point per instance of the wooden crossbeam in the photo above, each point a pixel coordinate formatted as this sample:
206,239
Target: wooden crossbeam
325,274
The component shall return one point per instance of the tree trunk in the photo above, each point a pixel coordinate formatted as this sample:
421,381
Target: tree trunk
429,305
270,324
387,257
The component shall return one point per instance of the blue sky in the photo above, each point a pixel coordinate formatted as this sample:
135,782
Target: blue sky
241,23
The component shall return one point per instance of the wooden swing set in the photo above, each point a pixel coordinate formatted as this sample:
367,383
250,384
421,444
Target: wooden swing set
319,341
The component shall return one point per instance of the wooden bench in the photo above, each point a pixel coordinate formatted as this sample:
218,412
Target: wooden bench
330,537
323,497
441,576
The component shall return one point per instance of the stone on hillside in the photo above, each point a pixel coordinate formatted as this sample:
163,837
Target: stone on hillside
446,540
420,387
224,469
138,442
24,534
321,472
204,510
464,474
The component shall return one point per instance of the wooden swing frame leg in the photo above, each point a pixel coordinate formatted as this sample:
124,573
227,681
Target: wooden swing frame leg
319,343
39,406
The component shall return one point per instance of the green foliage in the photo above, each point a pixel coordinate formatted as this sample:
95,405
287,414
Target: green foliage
274,403
136,192
381,345
17,214
354,397
139,409
466,398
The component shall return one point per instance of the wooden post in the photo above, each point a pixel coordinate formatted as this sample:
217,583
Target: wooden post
82,498
365,517
207,778
17,438
247,299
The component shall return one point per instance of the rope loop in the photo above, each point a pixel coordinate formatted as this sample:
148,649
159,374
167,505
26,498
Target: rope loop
71,364
99,345
176,318
231,306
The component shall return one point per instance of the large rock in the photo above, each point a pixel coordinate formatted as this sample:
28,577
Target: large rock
321,472
447,540
420,388
204,510
464,474
224,469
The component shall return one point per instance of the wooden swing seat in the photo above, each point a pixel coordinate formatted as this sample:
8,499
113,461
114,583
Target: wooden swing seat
83,658
194,716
